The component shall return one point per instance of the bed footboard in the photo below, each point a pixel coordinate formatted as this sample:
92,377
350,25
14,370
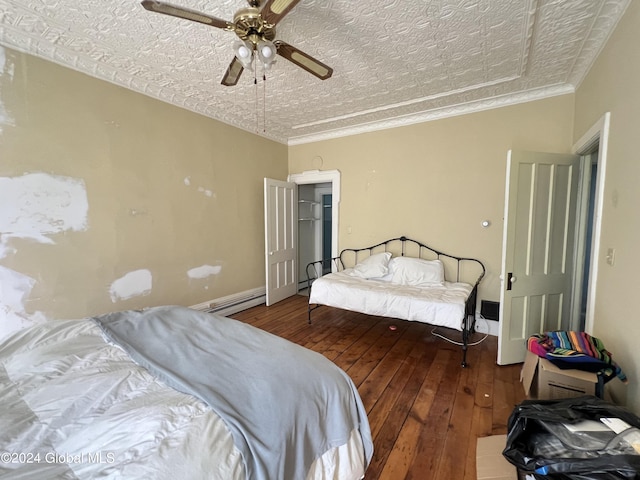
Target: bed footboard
469,322
315,270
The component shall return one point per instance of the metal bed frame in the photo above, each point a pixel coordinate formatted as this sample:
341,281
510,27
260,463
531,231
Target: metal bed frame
403,246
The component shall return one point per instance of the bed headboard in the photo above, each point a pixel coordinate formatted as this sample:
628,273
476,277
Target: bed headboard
457,269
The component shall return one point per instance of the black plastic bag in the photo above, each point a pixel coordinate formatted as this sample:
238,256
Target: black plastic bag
583,438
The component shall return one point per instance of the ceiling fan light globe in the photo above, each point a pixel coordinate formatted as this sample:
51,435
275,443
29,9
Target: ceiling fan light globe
266,52
244,52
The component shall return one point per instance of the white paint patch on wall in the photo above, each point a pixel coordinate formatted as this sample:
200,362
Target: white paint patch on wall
32,207
206,191
6,71
14,290
5,249
133,284
204,271
39,204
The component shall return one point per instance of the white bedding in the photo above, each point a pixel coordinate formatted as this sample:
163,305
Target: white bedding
441,305
74,406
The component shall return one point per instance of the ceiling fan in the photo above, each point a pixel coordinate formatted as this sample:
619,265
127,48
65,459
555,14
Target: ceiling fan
255,27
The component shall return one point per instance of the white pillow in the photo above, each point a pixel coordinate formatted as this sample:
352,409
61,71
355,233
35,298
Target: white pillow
373,267
416,271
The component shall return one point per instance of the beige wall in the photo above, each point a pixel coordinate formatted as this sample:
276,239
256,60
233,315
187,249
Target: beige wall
612,86
168,191
437,181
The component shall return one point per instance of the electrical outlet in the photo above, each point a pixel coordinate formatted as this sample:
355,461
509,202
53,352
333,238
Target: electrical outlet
611,256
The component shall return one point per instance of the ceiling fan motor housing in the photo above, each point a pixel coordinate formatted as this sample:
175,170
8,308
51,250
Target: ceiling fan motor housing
249,25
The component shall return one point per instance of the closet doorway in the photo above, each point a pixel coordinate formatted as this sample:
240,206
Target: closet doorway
318,200
314,227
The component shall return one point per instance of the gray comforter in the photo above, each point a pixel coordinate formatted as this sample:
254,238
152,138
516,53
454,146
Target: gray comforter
284,405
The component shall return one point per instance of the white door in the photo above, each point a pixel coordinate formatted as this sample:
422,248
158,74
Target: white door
537,250
281,239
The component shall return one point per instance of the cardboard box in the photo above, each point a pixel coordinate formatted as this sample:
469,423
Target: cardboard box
490,463
542,380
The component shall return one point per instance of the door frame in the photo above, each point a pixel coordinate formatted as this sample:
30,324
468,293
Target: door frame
598,135
324,176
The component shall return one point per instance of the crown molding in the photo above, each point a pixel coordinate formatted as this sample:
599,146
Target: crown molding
437,114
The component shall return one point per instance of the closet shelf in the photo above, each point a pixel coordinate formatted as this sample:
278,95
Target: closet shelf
309,212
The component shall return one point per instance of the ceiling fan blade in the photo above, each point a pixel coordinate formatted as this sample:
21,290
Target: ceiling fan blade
274,10
180,12
303,60
233,73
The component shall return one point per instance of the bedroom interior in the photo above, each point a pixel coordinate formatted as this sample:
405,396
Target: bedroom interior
117,194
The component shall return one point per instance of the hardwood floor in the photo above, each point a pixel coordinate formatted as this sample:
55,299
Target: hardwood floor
425,410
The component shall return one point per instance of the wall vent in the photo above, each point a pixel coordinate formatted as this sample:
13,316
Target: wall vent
490,310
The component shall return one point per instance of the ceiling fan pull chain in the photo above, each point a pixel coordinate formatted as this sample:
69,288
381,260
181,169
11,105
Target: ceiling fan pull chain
264,102
255,83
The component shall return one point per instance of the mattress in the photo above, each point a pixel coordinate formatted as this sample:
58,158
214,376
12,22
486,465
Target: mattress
437,304
75,406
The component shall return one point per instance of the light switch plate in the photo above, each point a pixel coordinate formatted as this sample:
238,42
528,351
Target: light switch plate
611,256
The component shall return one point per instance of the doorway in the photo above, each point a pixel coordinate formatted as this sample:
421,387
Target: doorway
314,228
592,152
318,214
590,163
592,147
326,232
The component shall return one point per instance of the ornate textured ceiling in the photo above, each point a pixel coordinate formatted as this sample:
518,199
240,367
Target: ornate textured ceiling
395,62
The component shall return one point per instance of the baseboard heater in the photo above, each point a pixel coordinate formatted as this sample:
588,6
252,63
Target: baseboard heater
233,303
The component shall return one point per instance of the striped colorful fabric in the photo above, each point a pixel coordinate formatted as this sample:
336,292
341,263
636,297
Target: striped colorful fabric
576,347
